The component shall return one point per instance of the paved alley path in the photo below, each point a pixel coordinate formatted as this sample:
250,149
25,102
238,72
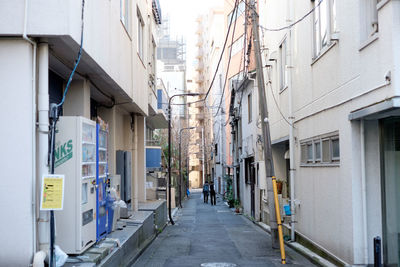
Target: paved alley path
207,234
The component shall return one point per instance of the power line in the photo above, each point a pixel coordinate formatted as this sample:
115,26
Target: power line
79,56
222,52
229,59
292,24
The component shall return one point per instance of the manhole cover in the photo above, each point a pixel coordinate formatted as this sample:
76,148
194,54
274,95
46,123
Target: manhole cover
218,264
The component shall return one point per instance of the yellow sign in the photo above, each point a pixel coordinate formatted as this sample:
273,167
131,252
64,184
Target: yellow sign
52,194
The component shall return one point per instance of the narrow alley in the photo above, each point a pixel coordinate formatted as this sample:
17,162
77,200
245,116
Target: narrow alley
205,234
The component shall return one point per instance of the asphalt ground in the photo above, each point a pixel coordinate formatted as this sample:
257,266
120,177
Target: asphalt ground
205,235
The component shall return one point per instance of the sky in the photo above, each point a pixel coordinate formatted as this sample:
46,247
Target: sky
182,15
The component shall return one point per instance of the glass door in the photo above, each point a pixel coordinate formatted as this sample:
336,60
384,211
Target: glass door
391,190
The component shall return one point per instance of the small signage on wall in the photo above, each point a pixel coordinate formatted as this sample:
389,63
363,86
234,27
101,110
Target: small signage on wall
52,193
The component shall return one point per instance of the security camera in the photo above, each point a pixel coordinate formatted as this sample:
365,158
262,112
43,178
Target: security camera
388,76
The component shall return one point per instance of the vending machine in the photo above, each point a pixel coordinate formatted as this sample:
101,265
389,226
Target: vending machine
75,157
102,198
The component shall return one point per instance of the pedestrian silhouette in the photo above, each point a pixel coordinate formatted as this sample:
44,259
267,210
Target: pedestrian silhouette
212,193
206,190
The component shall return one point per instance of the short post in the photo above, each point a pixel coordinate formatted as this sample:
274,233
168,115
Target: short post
377,252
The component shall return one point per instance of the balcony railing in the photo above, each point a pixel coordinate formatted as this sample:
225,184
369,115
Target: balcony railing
153,143
157,11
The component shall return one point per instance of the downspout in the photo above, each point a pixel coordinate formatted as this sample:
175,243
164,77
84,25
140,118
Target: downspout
204,152
34,47
291,130
43,137
364,191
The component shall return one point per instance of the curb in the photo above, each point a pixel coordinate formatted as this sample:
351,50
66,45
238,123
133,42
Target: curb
313,257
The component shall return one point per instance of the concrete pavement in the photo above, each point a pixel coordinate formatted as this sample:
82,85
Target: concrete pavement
205,234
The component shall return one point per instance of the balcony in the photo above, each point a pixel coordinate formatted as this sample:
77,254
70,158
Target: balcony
156,11
199,116
199,29
199,78
199,42
199,66
200,53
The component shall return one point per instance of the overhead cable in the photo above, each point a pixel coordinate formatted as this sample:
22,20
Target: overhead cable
292,24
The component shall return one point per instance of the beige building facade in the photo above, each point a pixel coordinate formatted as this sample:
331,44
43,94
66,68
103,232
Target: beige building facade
114,80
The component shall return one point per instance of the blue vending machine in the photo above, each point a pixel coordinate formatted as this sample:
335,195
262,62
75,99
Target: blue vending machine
102,183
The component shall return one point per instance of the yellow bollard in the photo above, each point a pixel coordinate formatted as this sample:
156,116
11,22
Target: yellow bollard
279,221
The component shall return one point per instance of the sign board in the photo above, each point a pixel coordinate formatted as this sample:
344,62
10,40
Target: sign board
52,193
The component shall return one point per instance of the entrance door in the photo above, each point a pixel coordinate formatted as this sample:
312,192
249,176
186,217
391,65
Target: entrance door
391,190
252,188
238,183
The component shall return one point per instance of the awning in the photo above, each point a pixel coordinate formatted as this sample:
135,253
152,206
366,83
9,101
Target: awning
386,108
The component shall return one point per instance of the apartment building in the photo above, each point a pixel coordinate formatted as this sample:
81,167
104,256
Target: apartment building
244,157
332,91
115,78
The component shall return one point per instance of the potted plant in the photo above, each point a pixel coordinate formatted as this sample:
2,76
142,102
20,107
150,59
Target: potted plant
279,185
237,205
231,201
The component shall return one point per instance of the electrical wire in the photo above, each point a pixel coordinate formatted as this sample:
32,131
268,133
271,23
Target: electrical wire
292,24
79,57
269,84
229,59
222,52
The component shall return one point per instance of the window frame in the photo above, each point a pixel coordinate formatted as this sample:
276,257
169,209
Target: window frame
125,15
313,161
249,107
140,34
282,66
241,10
319,48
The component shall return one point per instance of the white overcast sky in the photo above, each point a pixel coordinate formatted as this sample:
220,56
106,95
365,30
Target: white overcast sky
182,15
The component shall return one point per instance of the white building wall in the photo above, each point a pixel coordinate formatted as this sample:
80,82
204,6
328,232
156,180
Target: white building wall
349,76
17,157
104,35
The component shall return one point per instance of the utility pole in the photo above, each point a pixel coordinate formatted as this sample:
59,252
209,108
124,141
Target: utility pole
266,136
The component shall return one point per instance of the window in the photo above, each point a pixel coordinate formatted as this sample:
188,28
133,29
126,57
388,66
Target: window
283,63
140,36
317,150
153,57
249,107
240,11
237,46
369,17
321,150
216,149
124,14
324,25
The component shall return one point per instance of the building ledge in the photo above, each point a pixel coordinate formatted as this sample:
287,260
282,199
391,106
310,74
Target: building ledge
389,107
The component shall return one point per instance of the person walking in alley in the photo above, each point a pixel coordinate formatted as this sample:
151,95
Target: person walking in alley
206,190
212,194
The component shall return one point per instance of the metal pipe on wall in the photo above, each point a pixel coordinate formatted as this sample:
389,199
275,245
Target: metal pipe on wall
43,136
34,176
291,128
364,191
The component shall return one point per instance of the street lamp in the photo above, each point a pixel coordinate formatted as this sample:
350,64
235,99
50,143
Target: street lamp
169,150
180,164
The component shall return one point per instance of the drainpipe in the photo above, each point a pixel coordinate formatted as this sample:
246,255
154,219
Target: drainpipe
204,152
291,128
364,192
34,48
43,137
